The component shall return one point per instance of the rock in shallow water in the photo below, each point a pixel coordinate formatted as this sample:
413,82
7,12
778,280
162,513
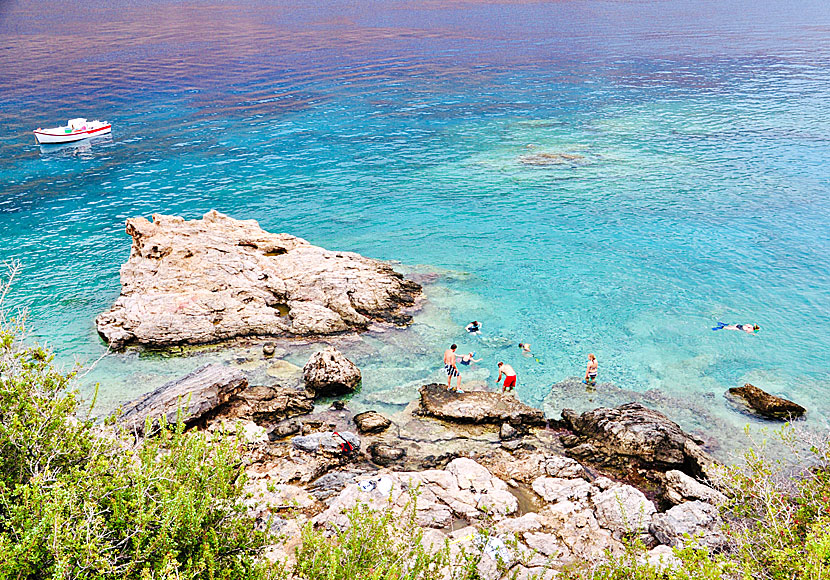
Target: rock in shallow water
762,403
200,281
477,407
328,373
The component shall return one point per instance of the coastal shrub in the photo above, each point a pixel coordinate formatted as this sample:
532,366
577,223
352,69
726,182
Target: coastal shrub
780,509
79,501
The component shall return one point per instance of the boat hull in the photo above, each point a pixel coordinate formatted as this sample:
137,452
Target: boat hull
45,137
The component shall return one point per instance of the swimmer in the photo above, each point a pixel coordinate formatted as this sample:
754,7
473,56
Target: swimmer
525,346
509,377
591,371
474,327
748,328
451,369
469,358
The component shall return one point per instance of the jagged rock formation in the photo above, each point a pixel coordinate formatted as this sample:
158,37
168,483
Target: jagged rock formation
633,434
328,373
201,281
477,407
759,402
197,394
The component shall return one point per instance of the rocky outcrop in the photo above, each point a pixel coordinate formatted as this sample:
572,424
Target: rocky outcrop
759,402
477,407
207,280
633,433
371,422
197,394
328,373
268,405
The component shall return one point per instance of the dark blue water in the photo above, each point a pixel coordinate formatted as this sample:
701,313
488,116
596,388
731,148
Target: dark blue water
587,176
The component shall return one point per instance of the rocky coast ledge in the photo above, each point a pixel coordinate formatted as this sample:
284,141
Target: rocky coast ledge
566,490
217,278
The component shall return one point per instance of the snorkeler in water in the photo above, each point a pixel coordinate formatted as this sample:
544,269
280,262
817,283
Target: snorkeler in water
748,328
468,358
474,327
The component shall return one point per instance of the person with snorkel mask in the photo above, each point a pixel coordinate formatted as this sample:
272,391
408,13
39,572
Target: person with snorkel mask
748,328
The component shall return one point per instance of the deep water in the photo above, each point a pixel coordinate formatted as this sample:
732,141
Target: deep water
587,176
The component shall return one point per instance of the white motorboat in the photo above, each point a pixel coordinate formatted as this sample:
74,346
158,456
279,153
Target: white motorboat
75,130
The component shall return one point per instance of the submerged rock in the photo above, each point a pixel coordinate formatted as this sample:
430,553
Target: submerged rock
197,394
477,407
762,403
200,281
328,373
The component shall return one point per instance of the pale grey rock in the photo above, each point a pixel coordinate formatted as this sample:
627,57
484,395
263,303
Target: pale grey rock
325,442
328,373
662,558
507,431
197,394
555,489
681,487
529,522
623,510
200,281
564,467
689,519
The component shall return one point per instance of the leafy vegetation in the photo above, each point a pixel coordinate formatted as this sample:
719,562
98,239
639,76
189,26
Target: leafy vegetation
77,500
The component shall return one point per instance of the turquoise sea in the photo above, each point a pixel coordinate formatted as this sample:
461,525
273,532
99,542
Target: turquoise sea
585,175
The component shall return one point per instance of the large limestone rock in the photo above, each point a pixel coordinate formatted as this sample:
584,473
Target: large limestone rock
634,432
681,487
762,403
624,510
694,519
197,394
328,373
477,407
200,281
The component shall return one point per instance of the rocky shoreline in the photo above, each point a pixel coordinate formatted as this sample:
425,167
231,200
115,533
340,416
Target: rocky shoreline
568,489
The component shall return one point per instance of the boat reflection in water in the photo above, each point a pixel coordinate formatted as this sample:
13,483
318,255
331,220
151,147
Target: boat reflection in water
83,148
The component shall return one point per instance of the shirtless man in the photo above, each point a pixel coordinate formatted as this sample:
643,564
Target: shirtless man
509,377
748,328
451,368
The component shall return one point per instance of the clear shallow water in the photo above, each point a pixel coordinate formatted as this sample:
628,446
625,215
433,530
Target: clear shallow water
686,178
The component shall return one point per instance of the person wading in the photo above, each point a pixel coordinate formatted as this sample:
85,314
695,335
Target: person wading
509,377
451,368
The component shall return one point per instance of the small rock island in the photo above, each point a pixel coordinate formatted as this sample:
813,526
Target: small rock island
217,278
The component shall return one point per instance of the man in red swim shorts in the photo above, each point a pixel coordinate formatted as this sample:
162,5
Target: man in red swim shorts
509,377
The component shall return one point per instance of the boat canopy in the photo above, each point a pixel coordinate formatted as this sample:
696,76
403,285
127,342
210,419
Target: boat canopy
77,123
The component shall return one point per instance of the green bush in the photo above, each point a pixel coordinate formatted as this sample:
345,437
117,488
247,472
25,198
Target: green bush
79,501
